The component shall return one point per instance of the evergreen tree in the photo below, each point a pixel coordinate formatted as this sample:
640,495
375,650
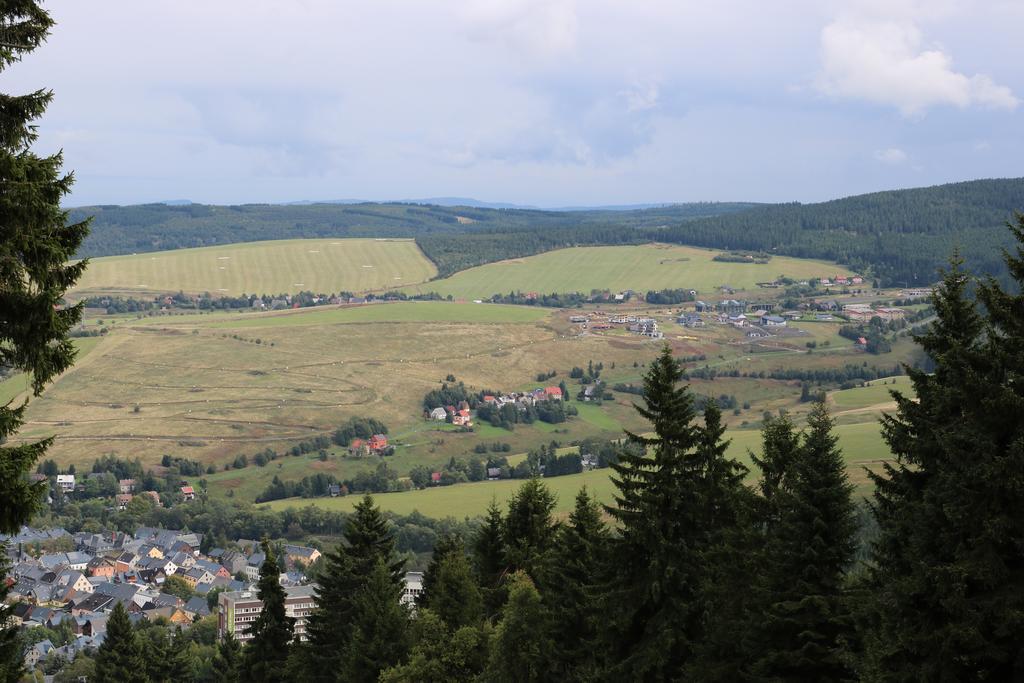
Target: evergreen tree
455,597
368,540
529,530
806,625
37,245
380,623
654,617
949,562
571,588
446,545
489,558
227,663
267,652
441,655
780,443
120,658
520,652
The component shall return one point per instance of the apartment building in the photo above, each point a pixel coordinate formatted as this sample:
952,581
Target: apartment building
239,609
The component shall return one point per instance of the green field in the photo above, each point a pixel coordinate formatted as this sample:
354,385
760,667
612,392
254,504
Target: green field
861,443
324,266
618,268
876,393
410,311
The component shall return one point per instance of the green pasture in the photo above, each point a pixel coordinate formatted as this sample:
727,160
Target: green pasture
618,268
273,267
875,393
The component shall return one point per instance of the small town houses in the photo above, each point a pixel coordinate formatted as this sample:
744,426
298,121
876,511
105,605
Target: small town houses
522,400
80,587
376,444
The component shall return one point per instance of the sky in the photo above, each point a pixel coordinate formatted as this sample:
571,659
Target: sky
535,102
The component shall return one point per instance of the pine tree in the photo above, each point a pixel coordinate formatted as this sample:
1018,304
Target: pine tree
529,530
489,558
455,597
36,251
228,661
949,562
368,540
652,608
806,623
267,652
441,655
380,623
120,658
520,652
446,545
571,590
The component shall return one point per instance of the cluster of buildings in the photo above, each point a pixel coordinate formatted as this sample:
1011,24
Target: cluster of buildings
598,320
376,444
864,312
78,588
526,398
458,415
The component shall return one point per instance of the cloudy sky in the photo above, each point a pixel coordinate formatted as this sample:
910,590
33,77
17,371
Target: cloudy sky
542,102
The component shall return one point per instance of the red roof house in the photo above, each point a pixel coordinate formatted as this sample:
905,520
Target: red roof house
377,442
435,477
553,392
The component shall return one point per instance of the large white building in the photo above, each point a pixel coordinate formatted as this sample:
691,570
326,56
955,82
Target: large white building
238,609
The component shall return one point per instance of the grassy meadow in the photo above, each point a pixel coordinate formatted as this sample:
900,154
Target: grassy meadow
651,266
318,265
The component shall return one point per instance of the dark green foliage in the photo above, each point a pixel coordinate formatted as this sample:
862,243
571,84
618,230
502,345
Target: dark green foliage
672,505
357,428
267,652
521,651
441,655
805,625
529,530
228,662
450,589
489,558
368,541
120,658
380,626
37,244
571,592
949,581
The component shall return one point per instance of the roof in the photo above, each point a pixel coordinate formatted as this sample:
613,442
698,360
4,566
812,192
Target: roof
187,489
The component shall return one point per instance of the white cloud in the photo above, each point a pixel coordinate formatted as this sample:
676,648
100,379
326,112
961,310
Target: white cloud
883,62
893,156
641,97
540,28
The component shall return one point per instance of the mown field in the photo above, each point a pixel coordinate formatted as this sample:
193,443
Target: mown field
275,267
640,268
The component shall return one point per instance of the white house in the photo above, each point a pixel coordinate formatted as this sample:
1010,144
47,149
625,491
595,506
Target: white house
438,414
66,482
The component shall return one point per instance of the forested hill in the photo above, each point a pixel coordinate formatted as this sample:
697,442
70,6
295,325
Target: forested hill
900,236
904,235
156,227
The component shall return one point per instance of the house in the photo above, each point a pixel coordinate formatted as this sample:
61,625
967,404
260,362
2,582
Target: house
435,478
197,575
334,490
890,313
377,442
188,492
122,500
704,307
493,473
126,485
577,318
100,566
690,320
301,554
462,418
440,414
553,393
358,448
252,569
66,482
412,589
731,307
38,653
773,321
757,333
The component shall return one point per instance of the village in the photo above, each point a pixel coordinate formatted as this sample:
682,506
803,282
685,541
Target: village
70,583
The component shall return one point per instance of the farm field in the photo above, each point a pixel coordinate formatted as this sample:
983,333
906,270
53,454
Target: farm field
400,312
862,447
280,266
640,268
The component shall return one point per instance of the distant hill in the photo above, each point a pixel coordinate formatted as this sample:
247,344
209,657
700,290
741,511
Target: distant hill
902,235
